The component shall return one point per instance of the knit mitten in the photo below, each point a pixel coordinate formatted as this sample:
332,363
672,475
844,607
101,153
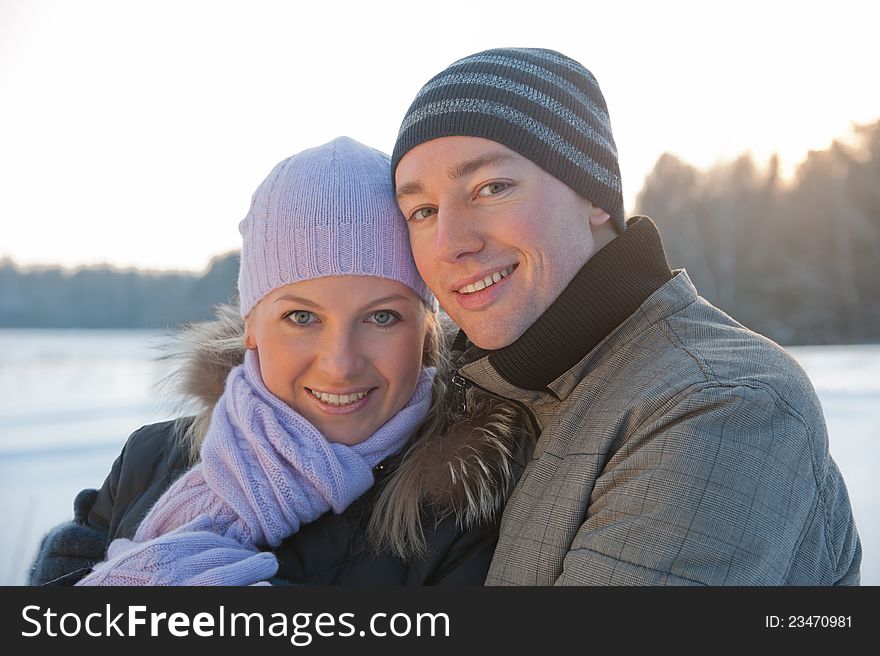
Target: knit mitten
70,549
189,555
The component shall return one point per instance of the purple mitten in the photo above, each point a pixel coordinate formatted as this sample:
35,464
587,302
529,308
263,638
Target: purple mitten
189,555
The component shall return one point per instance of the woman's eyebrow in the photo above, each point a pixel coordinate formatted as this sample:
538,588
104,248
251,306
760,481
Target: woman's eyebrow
297,299
383,300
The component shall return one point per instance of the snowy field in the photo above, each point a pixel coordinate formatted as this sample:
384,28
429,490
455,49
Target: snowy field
69,399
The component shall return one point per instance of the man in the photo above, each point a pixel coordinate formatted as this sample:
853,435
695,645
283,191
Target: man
674,445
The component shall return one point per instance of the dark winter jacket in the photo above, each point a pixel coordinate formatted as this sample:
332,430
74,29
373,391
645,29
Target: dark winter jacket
449,487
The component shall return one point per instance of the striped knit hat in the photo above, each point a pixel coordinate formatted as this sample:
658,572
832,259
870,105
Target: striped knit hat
327,211
539,103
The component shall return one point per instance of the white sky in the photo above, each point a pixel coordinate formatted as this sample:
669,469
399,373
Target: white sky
134,132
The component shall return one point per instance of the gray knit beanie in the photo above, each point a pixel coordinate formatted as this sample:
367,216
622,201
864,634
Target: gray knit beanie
539,103
327,211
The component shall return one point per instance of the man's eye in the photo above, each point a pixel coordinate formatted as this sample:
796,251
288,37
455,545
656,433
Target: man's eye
301,317
492,188
422,213
384,317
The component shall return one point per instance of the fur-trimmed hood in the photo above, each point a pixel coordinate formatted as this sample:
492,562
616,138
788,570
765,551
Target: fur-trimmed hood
460,465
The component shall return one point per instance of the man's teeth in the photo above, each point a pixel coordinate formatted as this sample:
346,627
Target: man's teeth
488,281
338,399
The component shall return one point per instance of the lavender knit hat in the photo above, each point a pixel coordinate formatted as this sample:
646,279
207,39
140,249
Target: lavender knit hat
327,211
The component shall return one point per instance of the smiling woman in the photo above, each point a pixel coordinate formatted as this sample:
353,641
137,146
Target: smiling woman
320,385
344,351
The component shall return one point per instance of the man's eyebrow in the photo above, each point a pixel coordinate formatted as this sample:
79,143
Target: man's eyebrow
410,189
471,166
461,170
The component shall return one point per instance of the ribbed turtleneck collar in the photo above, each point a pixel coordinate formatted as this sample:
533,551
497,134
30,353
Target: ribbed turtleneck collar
608,289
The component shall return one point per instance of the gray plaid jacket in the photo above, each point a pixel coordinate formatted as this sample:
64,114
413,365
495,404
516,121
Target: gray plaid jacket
684,449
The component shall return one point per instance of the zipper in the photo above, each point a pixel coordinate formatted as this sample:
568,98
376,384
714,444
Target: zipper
459,399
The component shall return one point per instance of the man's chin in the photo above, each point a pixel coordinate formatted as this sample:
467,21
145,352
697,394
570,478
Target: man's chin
490,337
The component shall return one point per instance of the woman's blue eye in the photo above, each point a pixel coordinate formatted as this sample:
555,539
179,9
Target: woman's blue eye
385,317
301,317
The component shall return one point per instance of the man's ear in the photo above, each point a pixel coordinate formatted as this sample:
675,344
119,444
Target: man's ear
598,216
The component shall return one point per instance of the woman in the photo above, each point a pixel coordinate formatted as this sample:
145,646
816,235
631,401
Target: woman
323,454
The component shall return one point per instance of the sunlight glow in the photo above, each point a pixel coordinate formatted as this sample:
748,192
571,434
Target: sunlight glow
134,133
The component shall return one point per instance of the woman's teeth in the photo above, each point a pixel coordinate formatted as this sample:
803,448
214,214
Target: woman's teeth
338,399
488,281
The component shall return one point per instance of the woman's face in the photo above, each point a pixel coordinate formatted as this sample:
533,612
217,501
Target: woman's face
343,351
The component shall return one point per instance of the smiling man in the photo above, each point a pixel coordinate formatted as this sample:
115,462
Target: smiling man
674,445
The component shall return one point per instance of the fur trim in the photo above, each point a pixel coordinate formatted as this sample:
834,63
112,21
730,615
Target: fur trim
466,471
455,466
201,358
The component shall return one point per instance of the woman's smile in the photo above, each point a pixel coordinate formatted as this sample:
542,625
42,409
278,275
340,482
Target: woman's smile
340,404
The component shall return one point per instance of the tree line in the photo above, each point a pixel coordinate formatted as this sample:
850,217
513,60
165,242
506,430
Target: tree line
797,261
104,297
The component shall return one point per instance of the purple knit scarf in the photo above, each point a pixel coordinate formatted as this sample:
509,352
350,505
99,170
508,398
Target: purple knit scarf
264,472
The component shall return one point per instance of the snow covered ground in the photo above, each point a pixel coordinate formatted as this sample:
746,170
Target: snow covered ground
69,399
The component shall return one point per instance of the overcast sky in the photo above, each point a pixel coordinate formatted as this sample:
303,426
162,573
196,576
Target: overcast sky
134,133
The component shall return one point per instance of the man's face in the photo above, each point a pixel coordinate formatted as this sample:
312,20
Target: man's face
496,237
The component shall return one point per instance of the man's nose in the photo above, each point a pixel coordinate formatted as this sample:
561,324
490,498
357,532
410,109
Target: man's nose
458,233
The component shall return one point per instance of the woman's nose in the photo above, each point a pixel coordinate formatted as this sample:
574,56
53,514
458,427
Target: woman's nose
340,357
